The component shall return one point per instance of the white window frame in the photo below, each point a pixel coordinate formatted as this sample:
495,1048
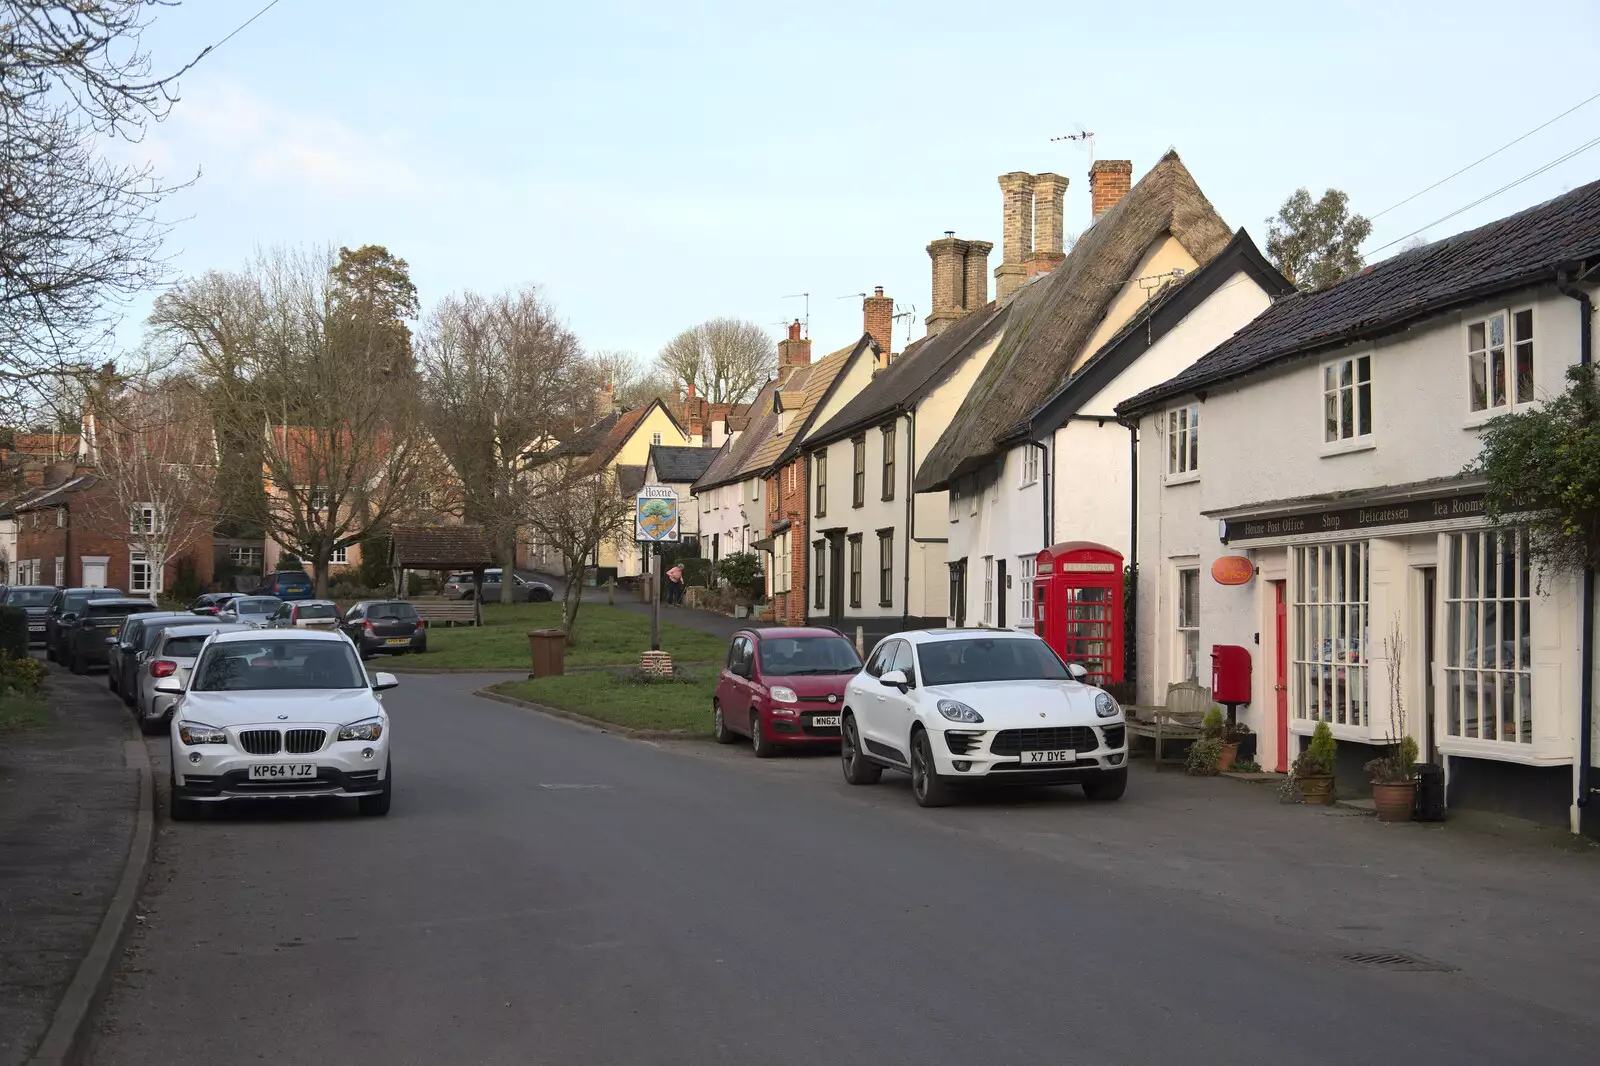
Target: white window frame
820,477
339,557
61,517
955,502
1027,572
1182,425
1186,619
61,571
144,519
1030,465
1487,593
988,590
1346,398
152,573
655,438
1330,637
1512,346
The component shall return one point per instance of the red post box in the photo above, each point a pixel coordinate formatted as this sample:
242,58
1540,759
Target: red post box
1230,673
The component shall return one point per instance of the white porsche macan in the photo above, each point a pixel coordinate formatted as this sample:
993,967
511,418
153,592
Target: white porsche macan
993,706
278,714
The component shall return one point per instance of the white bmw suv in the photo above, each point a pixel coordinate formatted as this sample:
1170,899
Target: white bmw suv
278,714
951,706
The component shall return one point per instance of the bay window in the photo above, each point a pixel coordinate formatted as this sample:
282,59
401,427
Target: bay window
1330,680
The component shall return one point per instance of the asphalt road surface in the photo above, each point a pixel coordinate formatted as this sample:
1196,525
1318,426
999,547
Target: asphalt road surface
543,893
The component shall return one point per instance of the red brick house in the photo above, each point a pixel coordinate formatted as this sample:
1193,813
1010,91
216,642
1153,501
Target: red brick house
70,534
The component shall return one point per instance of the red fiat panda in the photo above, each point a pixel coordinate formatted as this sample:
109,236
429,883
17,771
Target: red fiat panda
783,688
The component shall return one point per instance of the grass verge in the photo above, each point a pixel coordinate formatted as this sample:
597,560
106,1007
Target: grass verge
606,637
22,710
683,703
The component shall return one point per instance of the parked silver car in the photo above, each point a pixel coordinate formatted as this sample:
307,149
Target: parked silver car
306,614
458,586
250,610
173,656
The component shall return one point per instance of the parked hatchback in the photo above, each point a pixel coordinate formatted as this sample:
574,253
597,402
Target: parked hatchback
137,636
783,688
172,655
35,601
385,626
458,586
286,585
95,630
250,610
305,614
64,609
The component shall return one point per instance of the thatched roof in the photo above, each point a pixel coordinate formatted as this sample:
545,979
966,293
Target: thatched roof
1517,251
439,547
1053,317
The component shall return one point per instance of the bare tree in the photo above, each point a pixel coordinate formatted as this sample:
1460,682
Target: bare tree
574,513
633,382
500,376
153,449
341,444
725,359
79,235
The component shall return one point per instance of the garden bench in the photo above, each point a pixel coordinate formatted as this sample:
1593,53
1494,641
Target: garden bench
1181,718
448,612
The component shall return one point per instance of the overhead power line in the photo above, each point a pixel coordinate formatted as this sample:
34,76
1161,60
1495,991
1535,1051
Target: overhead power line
1489,196
1491,155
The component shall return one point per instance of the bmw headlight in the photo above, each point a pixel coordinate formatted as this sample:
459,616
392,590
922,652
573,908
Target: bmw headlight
366,729
957,711
782,694
1105,706
200,733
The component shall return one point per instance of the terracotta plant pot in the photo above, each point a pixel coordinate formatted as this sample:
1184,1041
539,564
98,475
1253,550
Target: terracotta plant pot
1225,761
1394,802
1316,788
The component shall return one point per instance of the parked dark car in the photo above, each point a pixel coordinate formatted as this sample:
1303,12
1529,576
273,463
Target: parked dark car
89,640
386,627
286,585
131,647
209,603
783,687
64,609
35,600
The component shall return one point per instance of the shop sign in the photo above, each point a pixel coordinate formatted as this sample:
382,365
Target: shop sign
1233,570
1370,516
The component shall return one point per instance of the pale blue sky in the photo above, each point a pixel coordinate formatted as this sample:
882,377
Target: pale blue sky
655,164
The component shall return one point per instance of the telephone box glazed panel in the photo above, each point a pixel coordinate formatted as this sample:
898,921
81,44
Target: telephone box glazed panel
1078,606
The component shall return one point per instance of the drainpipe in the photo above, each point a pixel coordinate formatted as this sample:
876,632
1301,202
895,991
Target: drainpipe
911,518
1586,682
1049,513
1130,609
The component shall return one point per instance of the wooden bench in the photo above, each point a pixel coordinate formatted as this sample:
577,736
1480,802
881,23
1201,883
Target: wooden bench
447,612
1181,718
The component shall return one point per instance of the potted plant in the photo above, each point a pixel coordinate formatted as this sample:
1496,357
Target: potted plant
1233,735
1312,772
1394,773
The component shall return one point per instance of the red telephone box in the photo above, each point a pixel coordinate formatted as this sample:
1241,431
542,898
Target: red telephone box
1077,607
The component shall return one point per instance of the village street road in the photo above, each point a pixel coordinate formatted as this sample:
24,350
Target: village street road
543,893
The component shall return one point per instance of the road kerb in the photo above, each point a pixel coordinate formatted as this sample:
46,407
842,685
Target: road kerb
593,723
64,1041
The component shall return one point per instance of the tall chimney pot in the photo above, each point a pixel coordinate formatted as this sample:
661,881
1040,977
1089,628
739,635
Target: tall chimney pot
877,320
1109,182
1016,190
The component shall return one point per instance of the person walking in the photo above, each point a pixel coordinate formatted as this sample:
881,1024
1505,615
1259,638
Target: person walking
675,585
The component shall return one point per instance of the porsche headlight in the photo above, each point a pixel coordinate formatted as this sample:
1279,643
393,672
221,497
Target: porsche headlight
366,729
1105,706
957,711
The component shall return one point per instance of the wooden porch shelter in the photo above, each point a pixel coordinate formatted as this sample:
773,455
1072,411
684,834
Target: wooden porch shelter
441,548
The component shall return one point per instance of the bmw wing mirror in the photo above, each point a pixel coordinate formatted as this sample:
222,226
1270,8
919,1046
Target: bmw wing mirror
1077,671
171,686
382,682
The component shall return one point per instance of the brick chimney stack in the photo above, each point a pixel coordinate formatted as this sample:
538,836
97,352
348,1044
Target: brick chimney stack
1016,189
977,280
949,257
793,352
605,401
877,320
1049,196
1109,182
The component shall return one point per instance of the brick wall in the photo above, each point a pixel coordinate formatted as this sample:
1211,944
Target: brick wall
789,608
1109,182
85,532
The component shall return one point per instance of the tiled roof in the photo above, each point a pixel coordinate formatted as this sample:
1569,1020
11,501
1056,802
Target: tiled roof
727,466
677,464
916,372
585,441
630,479
440,547
1517,251
804,392
625,426
54,497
